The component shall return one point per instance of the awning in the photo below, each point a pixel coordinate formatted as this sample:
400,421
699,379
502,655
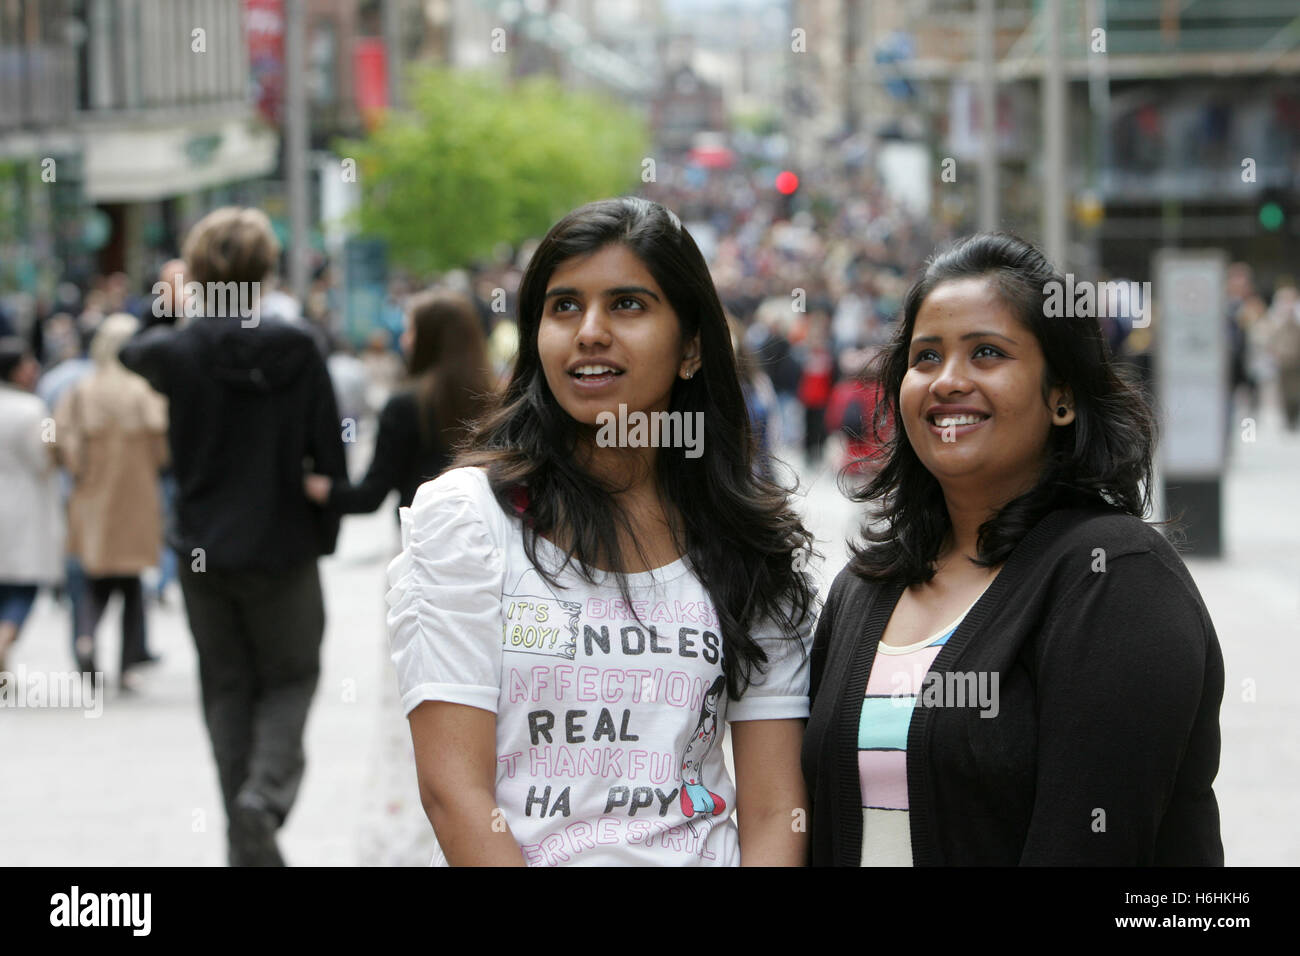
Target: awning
145,161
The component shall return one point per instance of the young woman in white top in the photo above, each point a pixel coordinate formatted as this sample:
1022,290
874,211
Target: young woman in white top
603,583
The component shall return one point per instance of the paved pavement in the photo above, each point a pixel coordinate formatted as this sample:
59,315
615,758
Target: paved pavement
136,784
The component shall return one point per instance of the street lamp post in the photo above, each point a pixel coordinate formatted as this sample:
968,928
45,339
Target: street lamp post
296,148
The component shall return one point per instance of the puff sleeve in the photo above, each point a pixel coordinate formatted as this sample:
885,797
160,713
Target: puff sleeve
780,691
444,598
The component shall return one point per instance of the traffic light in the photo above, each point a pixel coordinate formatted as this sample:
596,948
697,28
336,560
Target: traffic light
787,184
1272,213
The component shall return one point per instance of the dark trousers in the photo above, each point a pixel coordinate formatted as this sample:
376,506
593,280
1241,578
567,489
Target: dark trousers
90,609
258,636
814,434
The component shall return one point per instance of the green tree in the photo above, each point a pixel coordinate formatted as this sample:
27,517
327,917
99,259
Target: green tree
477,161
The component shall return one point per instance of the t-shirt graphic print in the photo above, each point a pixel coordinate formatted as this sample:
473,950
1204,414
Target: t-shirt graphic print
610,713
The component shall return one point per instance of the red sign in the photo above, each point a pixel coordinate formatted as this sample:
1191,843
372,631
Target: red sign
370,78
264,27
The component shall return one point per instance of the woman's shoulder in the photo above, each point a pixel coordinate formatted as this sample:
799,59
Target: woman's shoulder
455,484
1099,534
850,593
1120,553
21,411
457,506
401,405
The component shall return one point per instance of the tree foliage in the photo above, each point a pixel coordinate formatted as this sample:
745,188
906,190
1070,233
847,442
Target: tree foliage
478,161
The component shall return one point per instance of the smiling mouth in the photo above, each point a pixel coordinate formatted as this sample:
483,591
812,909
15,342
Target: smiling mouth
949,420
595,373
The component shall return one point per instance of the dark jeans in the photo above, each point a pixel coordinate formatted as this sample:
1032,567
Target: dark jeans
258,635
16,602
90,609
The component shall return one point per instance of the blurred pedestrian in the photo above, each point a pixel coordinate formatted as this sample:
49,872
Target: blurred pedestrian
1245,307
112,430
385,368
1282,343
348,375
167,307
249,401
64,368
775,358
760,401
817,378
419,428
31,520
855,412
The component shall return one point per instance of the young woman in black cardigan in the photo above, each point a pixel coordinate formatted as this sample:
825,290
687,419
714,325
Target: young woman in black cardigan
1014,668
451,384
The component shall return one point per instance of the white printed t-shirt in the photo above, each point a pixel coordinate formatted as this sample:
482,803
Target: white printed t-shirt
609,731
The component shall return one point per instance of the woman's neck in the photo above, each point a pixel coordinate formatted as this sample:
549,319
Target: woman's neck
629,471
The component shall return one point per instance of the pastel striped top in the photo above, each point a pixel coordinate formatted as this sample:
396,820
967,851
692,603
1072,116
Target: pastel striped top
897,675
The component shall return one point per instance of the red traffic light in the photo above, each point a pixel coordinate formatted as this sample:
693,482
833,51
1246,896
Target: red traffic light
786,182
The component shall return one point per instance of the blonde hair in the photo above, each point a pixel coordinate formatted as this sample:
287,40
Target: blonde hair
111,336
231,244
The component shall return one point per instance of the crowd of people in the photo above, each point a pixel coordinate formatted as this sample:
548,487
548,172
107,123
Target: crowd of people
213,452
218,442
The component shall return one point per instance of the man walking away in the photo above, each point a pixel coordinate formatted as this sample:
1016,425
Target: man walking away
251,406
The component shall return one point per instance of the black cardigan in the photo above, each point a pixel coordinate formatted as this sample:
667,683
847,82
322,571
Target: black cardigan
401,460
1106,740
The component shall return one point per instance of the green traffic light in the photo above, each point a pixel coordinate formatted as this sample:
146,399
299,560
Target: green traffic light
1270,216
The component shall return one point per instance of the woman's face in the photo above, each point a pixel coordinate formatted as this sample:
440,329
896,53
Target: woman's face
971,399
608,336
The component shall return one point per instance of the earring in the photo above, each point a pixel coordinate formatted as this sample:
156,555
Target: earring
689,375
1061,411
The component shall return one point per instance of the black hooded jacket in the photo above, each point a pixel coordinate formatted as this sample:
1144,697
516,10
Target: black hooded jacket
251,409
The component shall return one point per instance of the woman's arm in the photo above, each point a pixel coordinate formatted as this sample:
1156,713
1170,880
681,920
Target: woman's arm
444,623
395,445
455,761
1129,680
771,801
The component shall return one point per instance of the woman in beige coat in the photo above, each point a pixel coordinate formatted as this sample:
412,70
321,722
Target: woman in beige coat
112,438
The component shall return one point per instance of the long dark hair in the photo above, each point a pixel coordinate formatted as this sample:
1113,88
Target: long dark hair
1101,459
449,365
737,530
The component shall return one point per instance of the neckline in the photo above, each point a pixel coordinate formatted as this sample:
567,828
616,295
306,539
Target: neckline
599,577
603,578
882,647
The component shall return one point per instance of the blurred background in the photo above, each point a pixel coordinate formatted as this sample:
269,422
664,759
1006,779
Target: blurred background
818,151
